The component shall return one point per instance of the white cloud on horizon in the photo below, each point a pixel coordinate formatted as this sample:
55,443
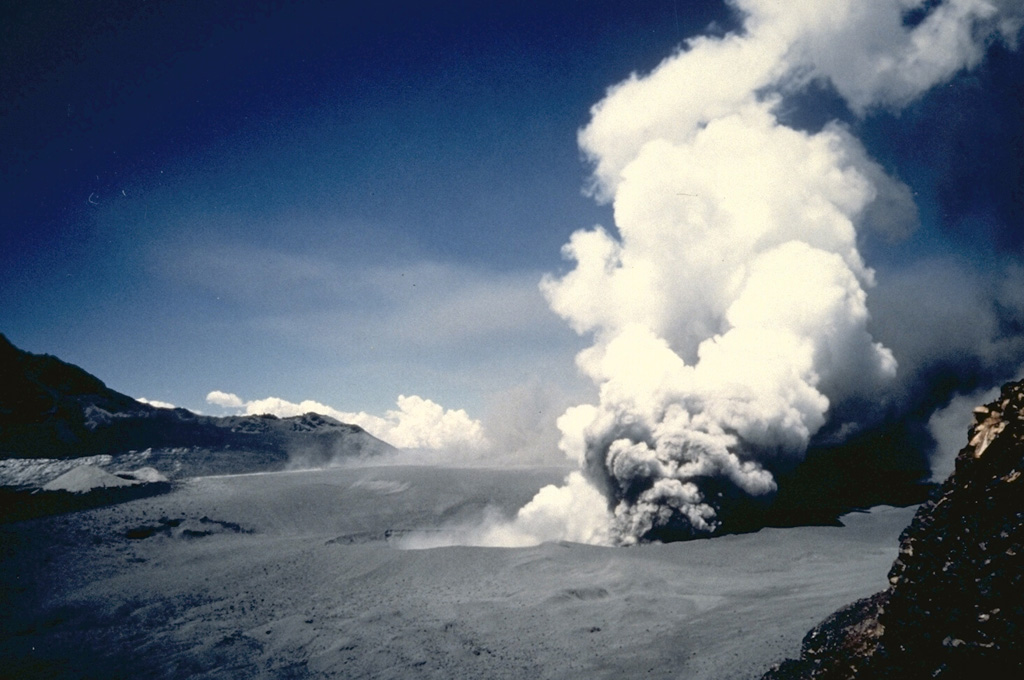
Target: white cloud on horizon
155,402
416,423
224,399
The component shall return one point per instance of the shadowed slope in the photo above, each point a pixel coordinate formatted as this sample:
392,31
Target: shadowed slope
52,409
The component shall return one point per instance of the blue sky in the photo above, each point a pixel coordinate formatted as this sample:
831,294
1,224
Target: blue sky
343,203
186,178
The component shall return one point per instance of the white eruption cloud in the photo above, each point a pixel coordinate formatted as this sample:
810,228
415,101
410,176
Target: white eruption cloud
728,308
416,423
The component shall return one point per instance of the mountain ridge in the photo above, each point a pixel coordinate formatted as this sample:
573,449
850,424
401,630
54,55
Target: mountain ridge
53,409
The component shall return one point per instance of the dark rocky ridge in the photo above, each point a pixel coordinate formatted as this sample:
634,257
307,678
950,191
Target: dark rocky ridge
50,409
955,604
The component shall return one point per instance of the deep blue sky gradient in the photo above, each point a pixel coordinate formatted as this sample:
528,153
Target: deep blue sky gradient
188,185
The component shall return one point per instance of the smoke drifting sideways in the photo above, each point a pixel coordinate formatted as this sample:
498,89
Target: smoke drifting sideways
728,309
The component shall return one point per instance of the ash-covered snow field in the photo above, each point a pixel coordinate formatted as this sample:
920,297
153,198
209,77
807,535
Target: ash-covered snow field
310,574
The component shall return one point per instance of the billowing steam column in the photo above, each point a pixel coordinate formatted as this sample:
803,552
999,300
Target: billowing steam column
728,307
727,314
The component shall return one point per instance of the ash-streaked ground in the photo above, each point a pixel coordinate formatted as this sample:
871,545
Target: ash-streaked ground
306,574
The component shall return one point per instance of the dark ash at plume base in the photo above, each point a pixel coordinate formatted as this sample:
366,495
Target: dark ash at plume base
885,466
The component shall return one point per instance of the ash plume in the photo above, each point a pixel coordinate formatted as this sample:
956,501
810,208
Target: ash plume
729,306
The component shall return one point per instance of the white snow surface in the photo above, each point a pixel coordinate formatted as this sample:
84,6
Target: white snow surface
304,575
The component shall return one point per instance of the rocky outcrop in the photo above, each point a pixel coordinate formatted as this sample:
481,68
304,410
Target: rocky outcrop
955,604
